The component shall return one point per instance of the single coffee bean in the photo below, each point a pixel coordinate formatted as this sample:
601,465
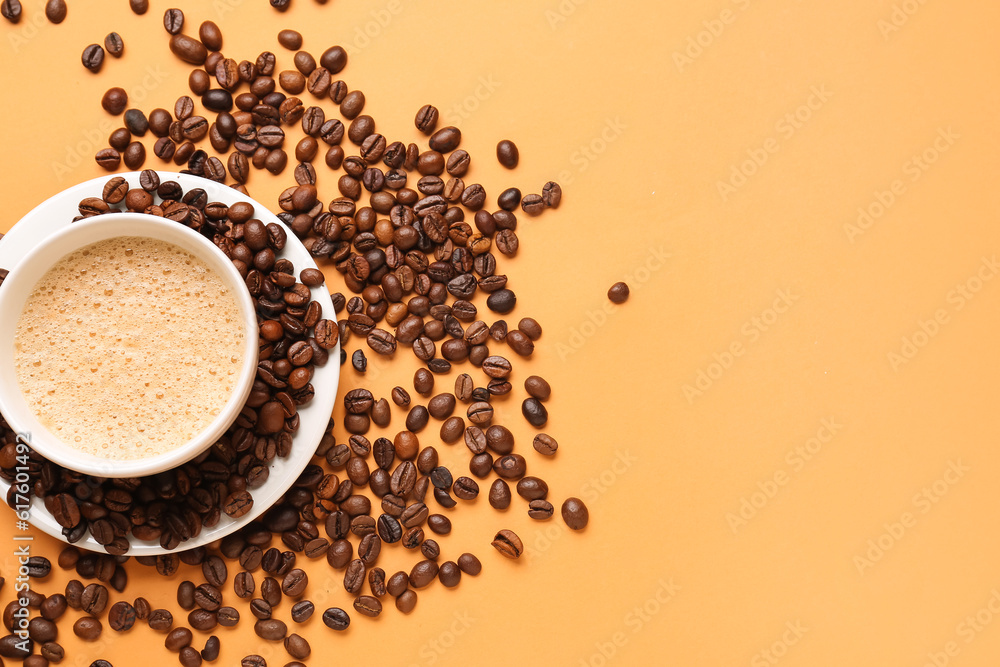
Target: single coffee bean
423,573
336,618
532,488
469,564
210,36
253,660
88,629
185,595
301,611
190,657
507,153
445,140
244,585
139,6
55,11
426,119
368,605
359,361
212,646
540,510
290,39
270,629
93,57
499,495
54,606
545,444
334,59
226,617
178,638
160,620
465,488
618,293
575,513
121,616
173,21
502,301
297,646
450,574
11,10
508,544
94,599
534,412
114,101
406,601
188,49
537,388
551,194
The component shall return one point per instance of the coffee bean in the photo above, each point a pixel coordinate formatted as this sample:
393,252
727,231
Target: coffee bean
270,629
352,104
469,564
575,513
244,585
545,444
502,301
139,6
450,574
334,59
551,194
160,619
207,597
121,616
94,599
336,618
381,341
500,495
190,657
537,388
227,617
210,36
86,628
423,573
178,638
173,21
93,57
302,611
253,660
618,293
540,509
290,39
465,488
38,567
297,646
426,119
11,10
445,140
54,606
406,601
534,412
185,595
188,49
359,361
215,571
114,101
368,605
508,544
294,583
202,620
480,413
507,154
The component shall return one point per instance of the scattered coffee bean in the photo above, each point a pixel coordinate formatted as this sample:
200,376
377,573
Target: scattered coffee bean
575,513
508,544
93,57
507,153
618,293
336,618
55,11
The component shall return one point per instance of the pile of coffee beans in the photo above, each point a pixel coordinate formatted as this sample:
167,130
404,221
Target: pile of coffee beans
414,258
174,506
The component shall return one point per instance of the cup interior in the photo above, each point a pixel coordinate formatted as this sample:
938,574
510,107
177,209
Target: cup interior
16,290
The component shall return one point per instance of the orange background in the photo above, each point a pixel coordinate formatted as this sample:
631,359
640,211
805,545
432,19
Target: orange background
767,299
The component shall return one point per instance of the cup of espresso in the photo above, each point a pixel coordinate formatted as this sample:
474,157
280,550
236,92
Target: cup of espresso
128,345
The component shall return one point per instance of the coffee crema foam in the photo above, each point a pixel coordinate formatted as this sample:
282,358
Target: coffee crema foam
129,347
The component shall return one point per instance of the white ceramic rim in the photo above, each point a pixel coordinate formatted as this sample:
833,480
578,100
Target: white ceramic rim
57,212
16,290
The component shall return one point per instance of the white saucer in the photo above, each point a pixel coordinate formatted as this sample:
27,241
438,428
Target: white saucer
58,212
